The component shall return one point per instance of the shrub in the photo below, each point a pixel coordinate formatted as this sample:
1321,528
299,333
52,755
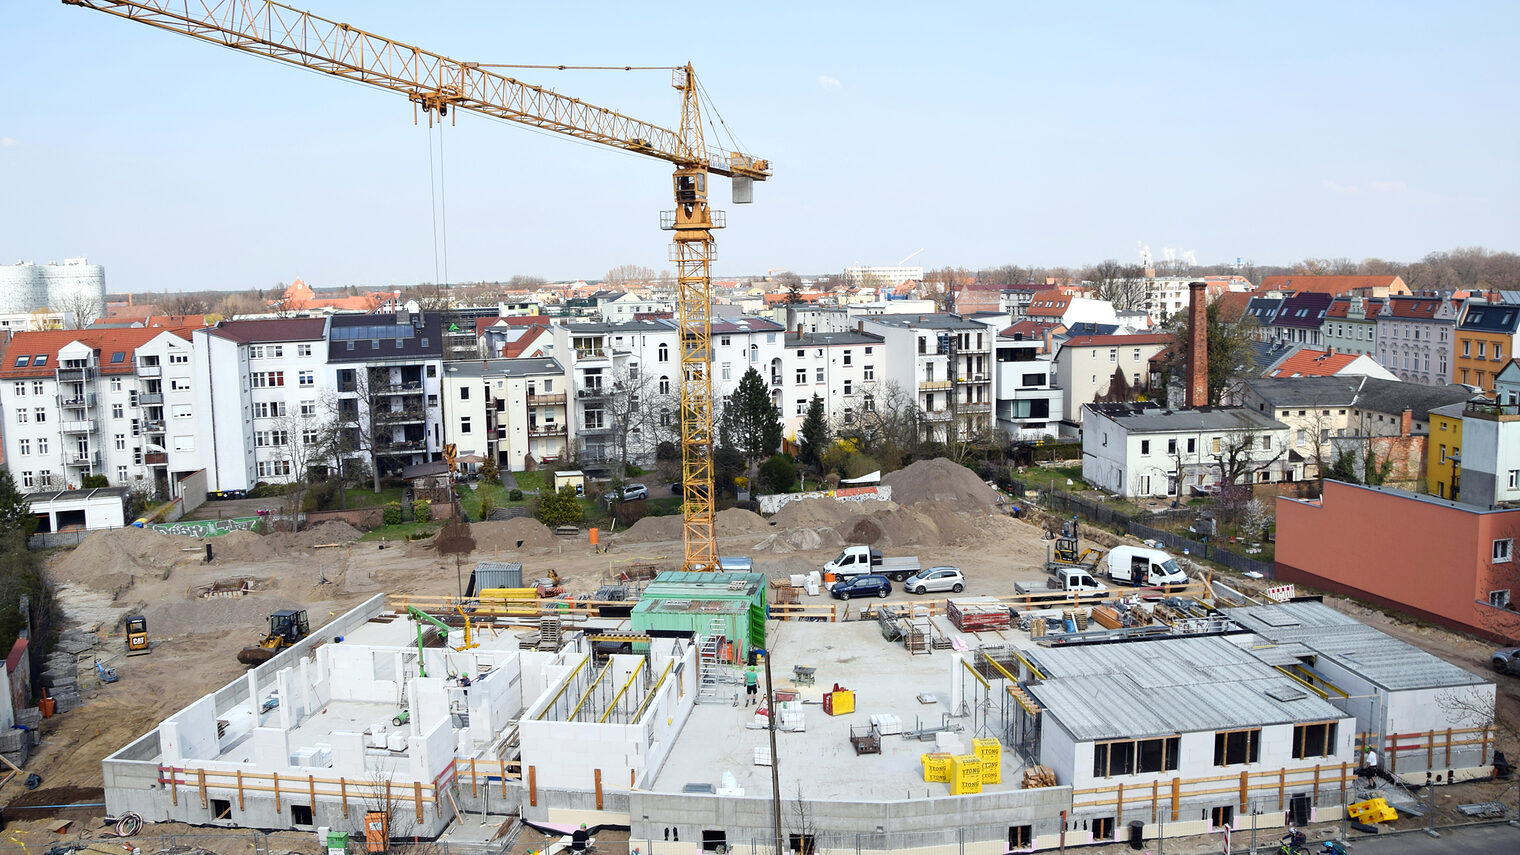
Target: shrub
778,474
632,471
515,495
422,510
486,507
560,508
92,481
489,471
392,513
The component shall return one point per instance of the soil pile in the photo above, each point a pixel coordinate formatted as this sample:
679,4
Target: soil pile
800,540
515,533
248,546
738,522
652,530
821,511
942,483
115,559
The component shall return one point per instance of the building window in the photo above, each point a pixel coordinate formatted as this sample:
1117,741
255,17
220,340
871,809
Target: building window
303,350
464,423
1504,550
1235,747
802,406
307,379
1145,446
1222,817
21,388
663,353
464,393
801,376
1314,740
1129,756
1499,599
869,372
308,408
42,445
121,442
727,371
1514,479
22,417
37,387
39,415
121,473
818,374
24,446
714,841
268,379
28,479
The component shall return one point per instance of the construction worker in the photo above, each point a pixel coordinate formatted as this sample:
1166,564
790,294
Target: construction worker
1369,765
751,686
579,838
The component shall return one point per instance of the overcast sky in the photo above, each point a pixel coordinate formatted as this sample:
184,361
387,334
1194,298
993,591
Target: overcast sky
979,133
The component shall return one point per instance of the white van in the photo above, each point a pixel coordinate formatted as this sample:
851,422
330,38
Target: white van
1143,567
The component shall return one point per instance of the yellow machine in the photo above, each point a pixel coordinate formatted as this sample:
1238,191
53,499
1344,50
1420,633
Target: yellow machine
137,635
436,84
286,627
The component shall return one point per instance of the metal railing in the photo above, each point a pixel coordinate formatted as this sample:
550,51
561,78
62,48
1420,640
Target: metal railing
545,400
149,370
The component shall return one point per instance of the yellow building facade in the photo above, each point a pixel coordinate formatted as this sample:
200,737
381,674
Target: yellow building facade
1443,452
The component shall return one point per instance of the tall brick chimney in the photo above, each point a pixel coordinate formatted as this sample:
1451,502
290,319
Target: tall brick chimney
1198,346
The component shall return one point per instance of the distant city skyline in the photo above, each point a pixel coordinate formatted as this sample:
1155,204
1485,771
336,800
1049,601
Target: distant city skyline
981,134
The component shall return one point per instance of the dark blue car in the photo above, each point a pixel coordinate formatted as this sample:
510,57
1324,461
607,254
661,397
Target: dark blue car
866,585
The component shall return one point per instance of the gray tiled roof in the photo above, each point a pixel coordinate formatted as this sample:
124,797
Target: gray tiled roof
1150,417
1368,393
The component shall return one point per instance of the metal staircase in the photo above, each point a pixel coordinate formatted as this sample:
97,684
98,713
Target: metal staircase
710,667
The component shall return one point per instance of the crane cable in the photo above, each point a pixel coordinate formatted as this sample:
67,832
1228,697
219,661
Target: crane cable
437,198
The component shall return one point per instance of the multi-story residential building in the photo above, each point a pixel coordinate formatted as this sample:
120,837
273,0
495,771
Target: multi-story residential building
1415,335
628,306
386,373
617,385
1299,319
1351,325
945,361
515,412
92,402
262,395
1028,398
816,318
847,370
1443,453
1262,311
1086,367
1143,449
1015,299
879,277
1490,459
1486,338
740,344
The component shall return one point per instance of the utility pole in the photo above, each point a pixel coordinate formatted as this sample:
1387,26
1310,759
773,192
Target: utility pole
770,716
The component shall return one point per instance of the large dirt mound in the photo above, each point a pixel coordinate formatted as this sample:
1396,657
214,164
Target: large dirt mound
515,533
122,555
248,546
800,540
942,483
738,521
823,511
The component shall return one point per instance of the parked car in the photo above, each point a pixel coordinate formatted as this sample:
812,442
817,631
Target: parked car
865,585
634,491
935,579
1506,660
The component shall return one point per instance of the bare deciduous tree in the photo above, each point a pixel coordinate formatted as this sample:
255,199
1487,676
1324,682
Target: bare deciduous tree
625,409
1243,453
352,411
628,275
81,307
306,440
1123,285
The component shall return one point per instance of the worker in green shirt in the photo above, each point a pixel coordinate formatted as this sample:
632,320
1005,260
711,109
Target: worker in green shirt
751,686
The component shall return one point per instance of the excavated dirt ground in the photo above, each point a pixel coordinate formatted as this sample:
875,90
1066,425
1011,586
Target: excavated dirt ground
942,514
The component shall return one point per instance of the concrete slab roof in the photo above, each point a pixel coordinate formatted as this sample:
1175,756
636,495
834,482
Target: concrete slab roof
1377,656
820,760
1148,416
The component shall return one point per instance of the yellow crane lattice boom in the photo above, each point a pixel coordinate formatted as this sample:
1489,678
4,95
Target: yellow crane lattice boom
437,83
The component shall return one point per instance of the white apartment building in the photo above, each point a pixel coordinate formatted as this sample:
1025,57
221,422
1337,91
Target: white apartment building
262,397
508,410
879,277
1028,400
627,306
1086,365
1143,449
79,403
847,370
945,362
608,375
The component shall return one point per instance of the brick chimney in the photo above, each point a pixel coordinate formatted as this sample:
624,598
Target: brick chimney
1198,346
1406,422
860,326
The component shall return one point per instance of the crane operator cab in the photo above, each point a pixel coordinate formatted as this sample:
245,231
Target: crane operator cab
137,635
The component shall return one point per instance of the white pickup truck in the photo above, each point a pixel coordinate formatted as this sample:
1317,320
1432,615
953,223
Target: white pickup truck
1143,567
1064,579
855,560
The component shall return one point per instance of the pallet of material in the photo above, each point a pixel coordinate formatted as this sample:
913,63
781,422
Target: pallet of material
1039,776
978,614
1107,617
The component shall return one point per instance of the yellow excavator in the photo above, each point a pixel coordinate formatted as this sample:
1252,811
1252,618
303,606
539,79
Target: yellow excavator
137,635
286,627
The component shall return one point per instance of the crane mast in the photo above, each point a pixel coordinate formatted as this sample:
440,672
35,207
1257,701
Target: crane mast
437,83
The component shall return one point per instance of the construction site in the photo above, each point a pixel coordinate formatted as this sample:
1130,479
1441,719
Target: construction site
603,685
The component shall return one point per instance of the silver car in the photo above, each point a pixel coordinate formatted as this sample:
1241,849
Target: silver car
1506,660
935,579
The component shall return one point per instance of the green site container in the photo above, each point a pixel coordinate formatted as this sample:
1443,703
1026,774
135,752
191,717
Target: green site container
701,602
337,843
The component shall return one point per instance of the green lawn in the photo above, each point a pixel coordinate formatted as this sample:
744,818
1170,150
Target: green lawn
402,531
1044,477
528,482
363,497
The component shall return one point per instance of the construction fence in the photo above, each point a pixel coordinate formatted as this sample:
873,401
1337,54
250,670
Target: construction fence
1069,504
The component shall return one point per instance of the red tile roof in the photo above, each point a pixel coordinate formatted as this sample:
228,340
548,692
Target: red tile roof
1052,303
1232,305
105,342
1117,340
1313,363
482,324
1415,307
1342,305
528,343
1029,329
1332,284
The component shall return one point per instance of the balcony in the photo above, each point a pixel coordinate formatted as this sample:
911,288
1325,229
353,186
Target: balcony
75,375
965,409
149,370
595,429
78,426
933,385
590,353
546,400
150,399
77,402
546,430
972,379
90,459
591,393
405,446
395,417
399,388
154,426
156,458
1492,411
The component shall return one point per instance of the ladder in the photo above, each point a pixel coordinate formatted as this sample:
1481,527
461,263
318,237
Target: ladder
710,667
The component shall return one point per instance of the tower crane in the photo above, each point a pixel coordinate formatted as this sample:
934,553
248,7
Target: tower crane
437,84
